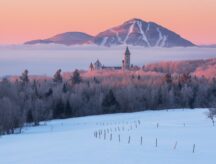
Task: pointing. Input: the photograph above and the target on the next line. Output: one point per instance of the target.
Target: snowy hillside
(137, 32)
(95, 140)
(67, 38)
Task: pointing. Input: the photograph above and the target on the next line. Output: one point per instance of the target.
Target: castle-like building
(126, 61)
(126, 65)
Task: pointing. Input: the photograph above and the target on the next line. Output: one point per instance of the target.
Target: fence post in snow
(111, 137)
(156, 142)
(104, 134)
(157, 125)
(141, 140)
(194, 148)
(175, 146)
(129, 140)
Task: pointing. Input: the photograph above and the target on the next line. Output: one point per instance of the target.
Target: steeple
(126, 61)
(127, 52)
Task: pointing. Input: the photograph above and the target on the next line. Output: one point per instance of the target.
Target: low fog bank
(46, 59)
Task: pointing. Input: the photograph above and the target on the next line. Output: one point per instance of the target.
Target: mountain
(133, 32)
(68, 38)
(140, 33)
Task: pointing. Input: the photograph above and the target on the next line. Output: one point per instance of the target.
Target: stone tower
(126, 60)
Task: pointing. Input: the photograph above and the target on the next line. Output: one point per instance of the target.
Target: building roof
(112, 68)
(127, 52)
(98, 63)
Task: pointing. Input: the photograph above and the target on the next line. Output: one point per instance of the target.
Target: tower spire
(126, 61)
(127, 52)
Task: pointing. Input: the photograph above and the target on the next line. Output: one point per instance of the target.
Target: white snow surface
(148, 27)
(144, 37)
(104, 41)
(72, 141)
(163, 43)
(158, 43)
(131, 28)
(117, 35)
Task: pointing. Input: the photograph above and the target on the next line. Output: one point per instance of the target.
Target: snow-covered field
(74, 141)
(46, 59)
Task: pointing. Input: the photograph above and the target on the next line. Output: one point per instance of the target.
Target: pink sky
(22, 20)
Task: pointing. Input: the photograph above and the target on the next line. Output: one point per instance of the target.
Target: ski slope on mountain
(77, 140)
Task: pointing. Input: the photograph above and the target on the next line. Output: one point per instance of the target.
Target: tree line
(29, 101)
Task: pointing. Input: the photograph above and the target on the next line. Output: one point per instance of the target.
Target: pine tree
(24, 77)
(76, 79)
(57, 76)
(110, 104)
(64, 88)
(29, 117)
(68, 111)
(35, 89)
(58, 111)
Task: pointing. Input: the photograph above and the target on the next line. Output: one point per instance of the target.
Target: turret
(126, 61)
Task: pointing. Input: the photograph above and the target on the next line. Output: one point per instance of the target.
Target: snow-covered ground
(74, 141)
(46, 59)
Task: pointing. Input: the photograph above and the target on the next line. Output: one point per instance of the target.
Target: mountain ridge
(134, 32)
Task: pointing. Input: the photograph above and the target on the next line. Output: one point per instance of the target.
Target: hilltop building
(96, 66)
(126, 61)
(126, 65)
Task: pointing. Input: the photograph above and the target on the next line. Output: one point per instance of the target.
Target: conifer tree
(110, 104)
(24, 77)
(76, 79)
(57, 76)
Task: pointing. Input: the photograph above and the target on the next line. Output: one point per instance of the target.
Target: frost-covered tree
(11, 116)
(24, 77)
(99, 92)
(168, 78)
(57, 76)
(75, 78)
